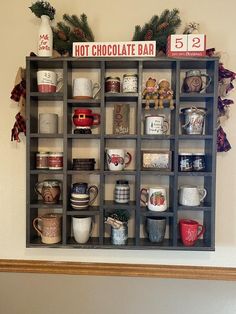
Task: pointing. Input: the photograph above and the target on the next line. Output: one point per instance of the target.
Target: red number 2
(178, 43)
(196, 42)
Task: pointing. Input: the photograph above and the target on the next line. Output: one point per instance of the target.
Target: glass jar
(55, 161)
(185, 162)
(122, 192)
(199, 163)
(112, 84)
(130, 83)
(42, 160)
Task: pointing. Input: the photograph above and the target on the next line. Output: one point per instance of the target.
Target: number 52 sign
(192, 45)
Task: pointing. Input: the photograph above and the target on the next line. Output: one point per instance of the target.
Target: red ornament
(148, 35)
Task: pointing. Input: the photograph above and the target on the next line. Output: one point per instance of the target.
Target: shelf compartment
(44, 135)
(36, 242)
(121, 137)
(113, 205)
(195, 97)
(84, 103)
(40, 204)
(201, 207)
(90, 211)
(46, 171)
(195, 137)
(166, 244)
(83, 136)
(195, 174)
(200, 245)
(148, 213)
(157, 172)
(47, 96)
(121, 97)
(92, 242)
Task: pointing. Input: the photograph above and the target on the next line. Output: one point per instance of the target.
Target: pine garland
(72, 29)
(160, 28)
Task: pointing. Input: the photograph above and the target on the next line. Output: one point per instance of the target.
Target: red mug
(190, 231)
(85, 117)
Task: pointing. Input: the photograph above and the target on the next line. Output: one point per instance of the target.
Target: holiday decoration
(158, 29)
(225, 85)
(46, 12)
(191, 28)
(40, 8)
(18, 94)
(165, 93)
(151, 92)
(72, 29)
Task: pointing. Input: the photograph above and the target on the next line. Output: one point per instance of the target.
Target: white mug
(49, 81)
(48, 123)
(83, 88)
(82, 228)
(156, 125)
(116, 159)
(155, 198)
(191, 195)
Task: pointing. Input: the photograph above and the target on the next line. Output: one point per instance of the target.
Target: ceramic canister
(130, 83)
(48, 123)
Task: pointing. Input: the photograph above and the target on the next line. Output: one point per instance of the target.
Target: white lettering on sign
(115, 49)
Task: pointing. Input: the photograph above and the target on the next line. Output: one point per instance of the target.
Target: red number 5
(178, 43)
(196, 42)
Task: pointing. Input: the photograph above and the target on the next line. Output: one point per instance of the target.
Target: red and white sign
(192, 45)
(115, 49)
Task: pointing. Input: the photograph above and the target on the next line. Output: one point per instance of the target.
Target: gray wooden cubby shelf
(175, 69)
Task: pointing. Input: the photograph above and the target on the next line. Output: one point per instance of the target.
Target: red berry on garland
(78, 32)
(61, 35)
(148, 35)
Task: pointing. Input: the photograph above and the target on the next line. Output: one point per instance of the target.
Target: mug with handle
(49, 81)
(84, 88)
(193, 81)
(116, 159)
(49, 228)
(155, 198)
(191, 195)
(190, 231)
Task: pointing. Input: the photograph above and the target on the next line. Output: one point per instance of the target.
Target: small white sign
(182, 45)
(114, 49)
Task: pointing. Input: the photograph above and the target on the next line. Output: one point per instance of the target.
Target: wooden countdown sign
(192, 45)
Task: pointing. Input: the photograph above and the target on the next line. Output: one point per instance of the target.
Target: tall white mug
(82, 228)
(49, 81)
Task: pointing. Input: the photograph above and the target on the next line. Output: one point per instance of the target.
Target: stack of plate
(83, 163)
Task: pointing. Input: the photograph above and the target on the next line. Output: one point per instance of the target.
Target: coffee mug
(85, 117)
(116, 159)
(82, 196)
(190, 231)
(83, 88)
(49, 190)
(49, 81)
(82, 228)
(156, 125)
(49, 228)
(156, 228)
(191, 195)
(48, 123)
(193, 81)
(155, 198)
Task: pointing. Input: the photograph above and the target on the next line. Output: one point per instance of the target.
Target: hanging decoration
(18, 95)
(158, 29)
(73, 29)
(225, 85)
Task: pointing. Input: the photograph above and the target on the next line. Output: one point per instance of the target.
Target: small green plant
(40, 8)
(121, 215)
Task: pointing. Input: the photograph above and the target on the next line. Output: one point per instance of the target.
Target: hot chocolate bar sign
(115, 49)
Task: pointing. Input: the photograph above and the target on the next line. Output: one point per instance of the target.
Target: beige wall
(25, 293)
(110, 21)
